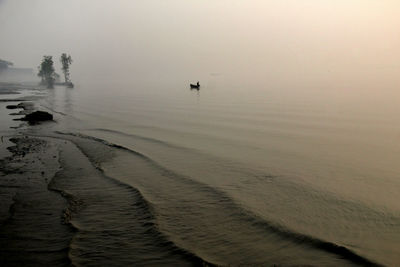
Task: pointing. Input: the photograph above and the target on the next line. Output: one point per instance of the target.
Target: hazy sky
(281, 42)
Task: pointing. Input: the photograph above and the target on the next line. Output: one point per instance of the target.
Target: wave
(152, 140)
(66, 213)
(143, 209)
(239, 212)
(153, 229)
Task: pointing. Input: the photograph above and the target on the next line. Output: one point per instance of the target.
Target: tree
(46, 71)
(66, 61)
(4, 64)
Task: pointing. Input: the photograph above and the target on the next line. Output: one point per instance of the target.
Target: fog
(293, 135)
(283, 44)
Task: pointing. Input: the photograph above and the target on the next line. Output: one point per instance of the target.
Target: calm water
(254, 176)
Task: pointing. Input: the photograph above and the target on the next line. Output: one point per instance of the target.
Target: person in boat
(196, 86)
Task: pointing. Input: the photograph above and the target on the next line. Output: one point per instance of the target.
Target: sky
(352, 43)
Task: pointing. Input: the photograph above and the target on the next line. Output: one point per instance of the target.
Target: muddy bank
(25, 108)
(31, 116)
(34, 218)
(37, 117)
(33, 228)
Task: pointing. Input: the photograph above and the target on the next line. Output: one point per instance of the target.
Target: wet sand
(34, 217)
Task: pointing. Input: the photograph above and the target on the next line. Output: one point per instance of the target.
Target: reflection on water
(312, 167)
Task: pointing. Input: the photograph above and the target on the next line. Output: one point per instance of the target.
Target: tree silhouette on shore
(66, 60)
(46, 71)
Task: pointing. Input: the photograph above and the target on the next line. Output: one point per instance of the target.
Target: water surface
(325, 171)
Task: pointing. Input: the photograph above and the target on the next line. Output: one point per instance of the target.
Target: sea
(287, 155)
(233, 176)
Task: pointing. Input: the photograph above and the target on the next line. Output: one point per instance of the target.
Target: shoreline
(48, 189)
(34, 229)
(33, 217)
(97, 209)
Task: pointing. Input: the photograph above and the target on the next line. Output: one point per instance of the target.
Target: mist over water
(297, 121)
(344, 46)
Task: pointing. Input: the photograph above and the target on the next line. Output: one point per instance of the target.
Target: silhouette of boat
(195, 86)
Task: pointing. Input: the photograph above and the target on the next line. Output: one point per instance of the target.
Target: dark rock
(38, 116)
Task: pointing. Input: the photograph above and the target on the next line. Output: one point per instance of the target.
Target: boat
(195, 86)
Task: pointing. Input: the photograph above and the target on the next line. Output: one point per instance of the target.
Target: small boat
(195, 86)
